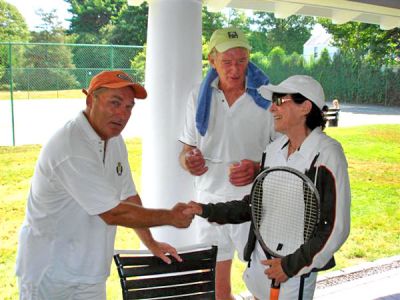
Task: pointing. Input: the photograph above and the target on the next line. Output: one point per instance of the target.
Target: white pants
(47, 289)
(258, 283)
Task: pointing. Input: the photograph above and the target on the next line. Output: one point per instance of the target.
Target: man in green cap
(227, 126)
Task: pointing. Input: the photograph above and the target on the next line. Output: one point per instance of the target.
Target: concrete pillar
(173, 67)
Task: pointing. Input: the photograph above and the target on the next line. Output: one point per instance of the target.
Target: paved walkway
(36, 120)
(369, 281)
(355, 114)
(378, 280)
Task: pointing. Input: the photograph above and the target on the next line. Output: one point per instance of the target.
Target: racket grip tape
(274, 293)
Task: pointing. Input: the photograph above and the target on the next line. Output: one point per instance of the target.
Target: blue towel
(255, 78)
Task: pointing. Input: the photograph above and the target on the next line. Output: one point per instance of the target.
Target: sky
(33, 20)
(28, 10)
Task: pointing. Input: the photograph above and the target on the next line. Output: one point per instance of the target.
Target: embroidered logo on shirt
(119, 169)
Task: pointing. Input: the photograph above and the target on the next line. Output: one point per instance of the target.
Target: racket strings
(311, 213)
(282, 215)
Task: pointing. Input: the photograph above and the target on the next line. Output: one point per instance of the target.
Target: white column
(173, 66)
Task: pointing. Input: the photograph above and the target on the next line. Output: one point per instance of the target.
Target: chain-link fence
(49, 70)
(30, 71)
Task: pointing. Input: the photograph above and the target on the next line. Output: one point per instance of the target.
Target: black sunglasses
(279, 99)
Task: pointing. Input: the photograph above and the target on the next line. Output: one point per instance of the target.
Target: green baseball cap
(228, 38)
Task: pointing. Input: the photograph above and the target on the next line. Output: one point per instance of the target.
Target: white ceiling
(385, 13)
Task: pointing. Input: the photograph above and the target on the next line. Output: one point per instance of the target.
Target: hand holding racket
(285, 212)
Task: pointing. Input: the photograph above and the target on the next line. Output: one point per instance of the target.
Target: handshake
(182, 214)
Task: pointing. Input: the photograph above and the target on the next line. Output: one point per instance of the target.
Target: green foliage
(108, 22)
(238, 19)
(211, 22)
(366, 41)
(13, 28)
(129, 27)
(89, 17)
(342, 77)
(50, 30)
(276, 65)
(290, 33)
(295, 63)
(45, 63)
(138, 65)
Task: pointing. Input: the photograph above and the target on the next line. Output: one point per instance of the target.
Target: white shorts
(47, 289)
(258, 283)
(228, 238)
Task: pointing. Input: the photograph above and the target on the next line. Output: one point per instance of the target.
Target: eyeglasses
(279, 100)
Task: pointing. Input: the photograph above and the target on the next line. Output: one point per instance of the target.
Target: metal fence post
(11, 92)
(112, 57)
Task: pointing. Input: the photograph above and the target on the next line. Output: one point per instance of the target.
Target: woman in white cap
(297, 110)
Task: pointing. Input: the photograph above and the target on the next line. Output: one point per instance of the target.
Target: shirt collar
(87, 128)
(307, 148)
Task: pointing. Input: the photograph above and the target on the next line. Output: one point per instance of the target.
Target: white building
(320, 39)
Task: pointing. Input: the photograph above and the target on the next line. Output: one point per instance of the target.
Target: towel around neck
(255, 78)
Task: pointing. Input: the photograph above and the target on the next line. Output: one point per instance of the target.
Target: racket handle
(274, 291)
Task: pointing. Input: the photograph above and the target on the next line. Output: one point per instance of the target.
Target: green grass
(373, 153)
(62, 94)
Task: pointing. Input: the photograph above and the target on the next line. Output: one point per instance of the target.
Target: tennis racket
(285, 212)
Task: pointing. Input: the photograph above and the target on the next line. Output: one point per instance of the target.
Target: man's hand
(195, 162)
(275, 270)
(179, 218)
(243, 173)
(160, 250)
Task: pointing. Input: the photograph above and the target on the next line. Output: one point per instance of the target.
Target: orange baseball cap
(115, 80)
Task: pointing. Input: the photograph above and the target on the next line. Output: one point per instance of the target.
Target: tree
(276, 65)
(129, 27)
(290, 34)
(238, 19)
(50, 30)
(47, 66)
(12, 29)
(211, 22)
(138, 65)
(366, 41)
(89, 17)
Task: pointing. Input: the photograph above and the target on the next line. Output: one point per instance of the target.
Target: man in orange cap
(81, 188)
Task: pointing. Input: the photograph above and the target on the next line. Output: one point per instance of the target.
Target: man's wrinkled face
(231, 67)
(109, 110)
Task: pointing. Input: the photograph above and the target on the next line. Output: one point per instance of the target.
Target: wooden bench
(332, 116)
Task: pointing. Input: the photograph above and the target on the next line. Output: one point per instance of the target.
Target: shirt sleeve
(90, 189)
(231, 212)
(334, 226)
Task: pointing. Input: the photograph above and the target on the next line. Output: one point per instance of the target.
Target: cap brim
(140, 92)
(231, 44)
(267, 90)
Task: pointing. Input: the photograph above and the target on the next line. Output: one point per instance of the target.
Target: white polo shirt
(73, 182)
(241, 131)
